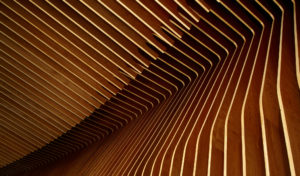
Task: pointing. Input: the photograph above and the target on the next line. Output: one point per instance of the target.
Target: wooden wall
(221, 96)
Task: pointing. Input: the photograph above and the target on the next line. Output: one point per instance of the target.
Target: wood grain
(99, 87)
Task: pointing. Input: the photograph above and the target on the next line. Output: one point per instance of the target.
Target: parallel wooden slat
(162, 87)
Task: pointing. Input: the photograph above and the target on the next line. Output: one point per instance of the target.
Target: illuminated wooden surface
(209, 88)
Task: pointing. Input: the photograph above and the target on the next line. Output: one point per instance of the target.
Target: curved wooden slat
(162, 87)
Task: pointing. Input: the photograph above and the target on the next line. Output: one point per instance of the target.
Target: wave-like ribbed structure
(145, 87)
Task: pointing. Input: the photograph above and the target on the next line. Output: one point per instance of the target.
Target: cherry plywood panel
(149, 87)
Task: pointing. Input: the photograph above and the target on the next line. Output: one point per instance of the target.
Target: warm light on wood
(149, 87)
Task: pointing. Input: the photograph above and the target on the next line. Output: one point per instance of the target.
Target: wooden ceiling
(209, 87)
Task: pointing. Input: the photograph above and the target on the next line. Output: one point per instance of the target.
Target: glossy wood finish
(150, 87)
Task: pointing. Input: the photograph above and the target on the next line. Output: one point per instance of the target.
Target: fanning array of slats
(59, 62)
(209, 88)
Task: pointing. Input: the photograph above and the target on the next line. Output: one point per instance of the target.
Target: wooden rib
(171, 8)
(287, 115)
(296, 28)
(184, 5)
(160, 14)
(57, 65)
(44, 27)
(48, 80)
(45, 69)
(145, 17)
(204, 5)
(45, 90)
(132, 22)
(190, 91)
(120, 26)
